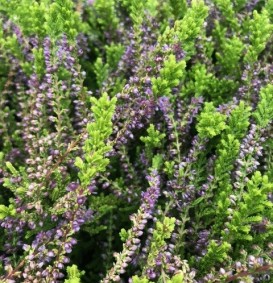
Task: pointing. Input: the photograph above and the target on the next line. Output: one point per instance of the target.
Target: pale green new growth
(179, 8)
(260, 31)
(161, 233)
(113, 54)
(95, 146)
(74, 275)
(238, 121)
(60, 19)
(210, 122)
(249, 211)
(264, 112)
(101, 71)
(232, 50)
(170, 76)
(216, 253)
(200, 81)
(136, 279)
(269, 8)
(186, 30)
(154, 138)
(6, 211)
(226, 8)
(106, 14)
(152, 141)
(227, 152)
(137, 12)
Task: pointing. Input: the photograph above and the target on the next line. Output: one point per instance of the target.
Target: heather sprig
(131, 237)
(211, 122)
(179, 8)
(259, 24)
(161, 233)
(229, 13)
(187, 29)
(249, 211)
(170, 76)
(71, 204)
(95, 147)
(74, 275)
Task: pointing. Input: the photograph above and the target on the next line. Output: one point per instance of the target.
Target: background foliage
(136, 141)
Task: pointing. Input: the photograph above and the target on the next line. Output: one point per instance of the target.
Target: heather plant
(136, 141)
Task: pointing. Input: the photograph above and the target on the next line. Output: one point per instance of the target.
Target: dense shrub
(136, 141)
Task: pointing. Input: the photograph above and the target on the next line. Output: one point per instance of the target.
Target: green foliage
(190, 26)
(154, 138)
(179, 8)
(161, 233)
(152, 7)
(95, 147)
(29, 15)
(239, 4)
(228, 147)
(101, 71)
(136, 279)
(219, 32)
(113, 55)
(6, 211)
(20, 189)
(177, 278)
(186, 30)
(170, 76)
(137, 11)
(104, 205)
(230, 55)
(238, 121)
(264, 112)
(35, 23)
(123, 235)
(228, 151)
(220, 189)
(250, 209)
(61, 19)
(12, 169)
(74, 275)
(45, 18)
(226, 8)
(157, 161)
(39, 61)
(200, 81)
(138, 8)
(269, 8)
(210, 122)
(40, 18)
(106, 15)
(169, 168)
(10, 45)
(260, 31)
(216, 253)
